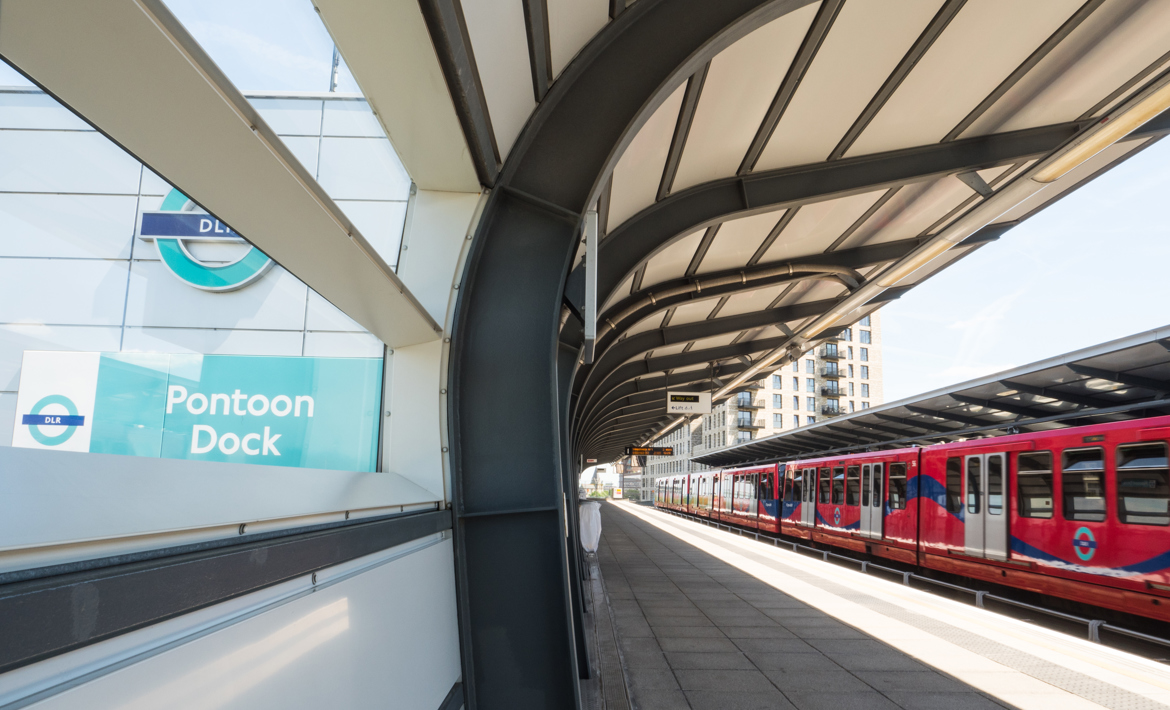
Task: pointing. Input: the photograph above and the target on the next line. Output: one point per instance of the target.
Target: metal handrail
(1093, 625)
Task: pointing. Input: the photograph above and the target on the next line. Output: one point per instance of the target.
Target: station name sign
(649, 451)
(688, 402)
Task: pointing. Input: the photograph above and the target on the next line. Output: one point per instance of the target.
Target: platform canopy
(1123, 379)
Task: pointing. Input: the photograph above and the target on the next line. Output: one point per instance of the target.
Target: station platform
(711, 620)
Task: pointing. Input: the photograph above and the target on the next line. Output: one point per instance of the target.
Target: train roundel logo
(836, 516)
(1084, 544)
(179, 221)
(38, 418)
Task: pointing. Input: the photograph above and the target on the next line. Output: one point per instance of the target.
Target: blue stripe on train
(1154, 564)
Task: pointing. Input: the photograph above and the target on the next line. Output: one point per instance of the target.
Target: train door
(872, 499)
(986, 520)
(808, 508)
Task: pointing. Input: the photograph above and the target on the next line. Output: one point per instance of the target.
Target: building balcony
(831, 370)
(749, 403)
(829, 352)
(750, 424)
(831, 409)
(830, 390)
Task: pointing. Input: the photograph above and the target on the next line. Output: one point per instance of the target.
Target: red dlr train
(1080, 513)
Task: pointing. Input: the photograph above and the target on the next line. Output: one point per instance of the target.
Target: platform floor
(708, 619)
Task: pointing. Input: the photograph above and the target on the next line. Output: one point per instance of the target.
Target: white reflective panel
(571, 24)
(960, 69)
(715, 341)
(218, 341)
(342, 345)
(323, 315)
(910, 212)
(16, 338)
(38, 110)
(362, 169)
(11, 77)
(499, 41)
(65, 161)
(7, 417)
(737, 241)
(815, 227)
(663, 351)
(645, 324)
(672, 262)
(639, 171)
(351, 118)
(1115, 43)
(290, 117)
(275, 301)
(305, 149)
(62, 291)
(152, 184)
(1071, 180)
(76, 226)
(380, 223)
(693, 311)
(751, 301)
(739, 89)
(850, 67)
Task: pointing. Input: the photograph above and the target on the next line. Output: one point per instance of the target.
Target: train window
(826, 486)
(1083, 484)
(897, 486)
(838, 485)
(954, 501)
(974, 484)
(1143, 484)
(794, 491)
(852, 487)
(766, 486)
(1034, 485)
(995, 484)
(864, 482)
(877, 485)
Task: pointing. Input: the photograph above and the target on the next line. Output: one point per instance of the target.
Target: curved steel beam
(512, 563)
(641, 236)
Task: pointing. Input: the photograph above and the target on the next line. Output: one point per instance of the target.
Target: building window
(778, 401)
(810, 385)
(796, 366)
(865, 405)
(851, 404)
(796, 420)
(777, 382)
(810, 366)
(865, 337)
(850, 389)
(812, 420)
(864, 390)
(864, 321)
(850, 356)
(796, 384)
(846, 334)
(810, 403)
(850, 370)
(778, 421)
(865, 372)
(795, 402)
(865, 354)
(743, 437)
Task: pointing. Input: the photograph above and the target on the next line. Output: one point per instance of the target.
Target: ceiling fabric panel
(654, 321)
(619, 293)
(571, 23)
(638, 173)
(736, 95)
(672, 262)
(751, 301)
(818, 225)
(1119, 40)
(985, 42)
(910, 212)
(821, 290)
(849, 69)
(693, 312)
(715, 341)
(737, 241)
(500, 43)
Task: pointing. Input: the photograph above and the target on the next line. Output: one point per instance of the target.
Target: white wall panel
(74, 226)
(848, 70)
(571, 24)
(415, 449)
(323, 315)
(152, 184)
(7, 417)
(960, 69)
(500, 44)
(439, 224)
(37, 110)
(305, 149)
(639, 171)
(208, 341)
(16, 338)
(739, 89)
(342, 345)
(275, 301)
(385, 637)
(290, 117)
(737, 240)
(62, 291)
(61, 161)
(380, 223)
(362, 169)
(350, 118)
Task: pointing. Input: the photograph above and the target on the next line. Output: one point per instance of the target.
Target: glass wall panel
(65, 161)
(34, 109)
(362, 169)
(351, 118)
(67, 226)
(290, 117)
